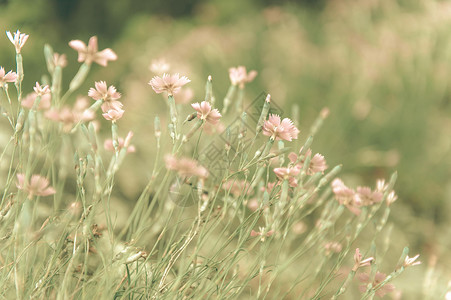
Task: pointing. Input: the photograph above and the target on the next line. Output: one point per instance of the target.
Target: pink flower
(90, 53)
(108, 144)
(168, 83)
(239, 76)
(204, 112)
(113, 114)
(44, 104)
(18, 40)
(59, 60)
(367, 197)
(378, 278)
(159, 66)
(359, 261)
(38, 186)
(346, 196)
(317, 162)
(69, 116)
(41, 90)
(109, 95)
(278, 130)
(185, 167)
(8, 77)
(288, 174)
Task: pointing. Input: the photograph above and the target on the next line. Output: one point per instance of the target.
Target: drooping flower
(6, 77)
(18, 40)
(288, 174)
(159, 66)
(70, 116)
(41, 90)
(108, 144)
(168, 83)
(378, 278)
(90, 53)
(38, 185)
(185, 167)
(280, 130)
(113, 114)
(109, 95)
(204, 112)
(359, 261)
(239, 76)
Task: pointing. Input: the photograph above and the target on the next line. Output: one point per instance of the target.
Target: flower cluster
(354, 200)
(111, 106)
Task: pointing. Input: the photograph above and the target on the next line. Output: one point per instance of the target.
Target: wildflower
(391, 198)
(38, 186)
(288, 174)
(18, 40)
(41, 90)
(113, 114)
(411, 261)
(69, 116)
(346, 196)
(8, 77)
(159, 66)
(108, 144)
(109, 95)
(280, 130)
(359, 262)
(378, 278)
(262, 233)
(168, 83)
(239, 76)
(185, 166)
(90, 53)
(44, 104)
(367, 197)
(204, 112)
(317, 162)
(59, 60)
(381, 186)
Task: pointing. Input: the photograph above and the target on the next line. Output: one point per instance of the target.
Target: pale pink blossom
(44, 104)
(185, 167)
(41, 90)
(359, 261)
(317, 162)
(58, 60)
(280, 130)
(70, 116)
(378, 278)
(108, 144)
(38, 186)
(239, 76)
(204, 112)
(368, 197)
(159, 66)
(90, 53)
(6, 77)
(18, 40)
(346, 196)
(109, 95)
(168, 83)
(411, 261)
(237, 187)
(113, 114)
(288, 174)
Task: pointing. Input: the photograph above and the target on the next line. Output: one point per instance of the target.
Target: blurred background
(382, 67)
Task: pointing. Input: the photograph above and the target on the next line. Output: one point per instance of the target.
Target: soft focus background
(382, 67)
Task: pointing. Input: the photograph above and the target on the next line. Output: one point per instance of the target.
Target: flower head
(239, 76)
(411, 261)
(368, 197)
(359, 261)
(18, 40)
(288, 174)
(317, 162)
(280, 130)
(159, 66)
(185, 167)
(108, 144)
(38, 185)
(346, 196)
(113, 114)
(6, 77)
(168, 83)
(378, 279)
(204, 112)
(109, 95)
(41, 90)
(58, 60)
(90, 53)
